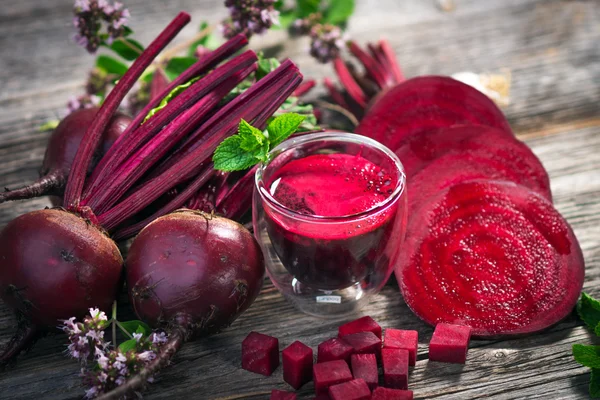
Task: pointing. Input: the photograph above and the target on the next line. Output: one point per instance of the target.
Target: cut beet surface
(428, 102)
(402, 339)
(364, 343)
(449, 343)
(260, 353)
(395, 368)
(495, 256)
(297, 364)
(330, 373)
(364, 324)
(282, 395)
(334, 349)
(391, 394)
(364, 366)
(356, 389)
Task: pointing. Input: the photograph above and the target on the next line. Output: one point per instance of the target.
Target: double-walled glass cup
(330, 265)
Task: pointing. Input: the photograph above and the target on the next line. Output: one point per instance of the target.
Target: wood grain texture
(550, 47)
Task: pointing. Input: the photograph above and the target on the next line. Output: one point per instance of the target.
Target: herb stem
(178, 48)
(339, 109)
(122, 328)
(114, 325)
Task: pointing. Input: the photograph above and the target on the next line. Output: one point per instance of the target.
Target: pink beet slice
(330, 373)
(297, 364)
(495, 256)
(356, 389)
(449, 343)
(364, 342)
(391, 394)
(364, 366)
(395, 368)
(424, 103)
(282, 395)
(260, 353)
(364, 324)
(402, 339)
(334, 349)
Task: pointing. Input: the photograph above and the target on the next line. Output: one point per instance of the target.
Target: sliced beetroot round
(491, 255)
(428, 102)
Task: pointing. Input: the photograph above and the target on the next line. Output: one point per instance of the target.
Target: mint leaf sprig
(251, 145)
(588, 310)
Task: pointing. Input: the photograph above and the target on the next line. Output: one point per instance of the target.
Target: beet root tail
(51, 184)
(139, 381)
(23, 339)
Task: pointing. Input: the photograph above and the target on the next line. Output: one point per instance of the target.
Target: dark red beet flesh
(60, 152)
(334, 349)
(282, 395)
(195, 270)
(395, 368)
(364, 366)
(297, 364)
(364, 324)
(330, 373)
(491, 255)
(355, 389)
(260, 353)
(424, 103)
(401, 339)
(364, 343)
(449, 343)
(391, 394)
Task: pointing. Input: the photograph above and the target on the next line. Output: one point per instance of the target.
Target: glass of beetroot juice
(330, 213)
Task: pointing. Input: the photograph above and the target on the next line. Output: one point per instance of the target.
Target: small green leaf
(128, 345)
(286, 19)
(338, 11)
(177, 65)
(174, 93)
(251, 138)
(293, 104)
(135, 326)
(266, 65)
(229, 156)
(49, 126)
(283, 127)
(129, 49)
(307, 7)
(588, 309)
(111, 65)
(595, 383)
(587, 355)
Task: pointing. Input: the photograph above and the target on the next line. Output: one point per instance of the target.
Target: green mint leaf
(210, 41)
(588, 309)
(129, 49)
(128, 345)
(265, 65)
(49, 126)
(111, 65)
(283, 127)
(174, 93)
(286, 19)
(595, 383)
(307, 7)
(293, 104)
(177, 65)
(229, 156)
(127, 31)
(251, 138)
(338, 11)
(136, 326)
(587, 355)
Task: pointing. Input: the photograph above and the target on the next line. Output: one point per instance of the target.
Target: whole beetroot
(60, 153)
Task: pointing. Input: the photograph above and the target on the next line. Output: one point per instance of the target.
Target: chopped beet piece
(334, 349)
(391, 394)
(356, 389)
(330, 373)
(297, 364)
(260, 353)
(395, 368)
(401, 339)
(364, 342)
(364, 366)
(364, 324)
(282, 395)
(449, 343)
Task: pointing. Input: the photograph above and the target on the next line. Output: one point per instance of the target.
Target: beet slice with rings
(428, 102)
(491, 255)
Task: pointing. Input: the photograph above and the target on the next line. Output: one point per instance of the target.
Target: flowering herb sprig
(99, 22)
(104, 366)
(249, 17)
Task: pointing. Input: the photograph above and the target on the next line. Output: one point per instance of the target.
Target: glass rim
(339, 137)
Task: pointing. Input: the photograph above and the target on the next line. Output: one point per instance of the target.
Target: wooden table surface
(552, 49)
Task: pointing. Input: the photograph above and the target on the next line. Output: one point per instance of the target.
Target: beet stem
(93, 135)
(49, 184)
(127, 142)
(138, 382)
(304, 88)
(239, 198)
(371, 66)
(158, 84)
(386, 50)
(336, 95)
(24, 338)
(349, 83)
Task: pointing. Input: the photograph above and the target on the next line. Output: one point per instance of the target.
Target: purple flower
(98, 21)
(147, 356)
(159, 338)
(137, 336)
(326, 42)
(91, 392)
(249, 17)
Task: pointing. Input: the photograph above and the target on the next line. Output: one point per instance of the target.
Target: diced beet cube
(364, 324)
(334, 349)
(281, 395)
(391, 394)
(260, 353)
(364, 343)
(364, 366)
(400, 339)
(297, 364)
(351, 390)
(449, 343)
(330, 373)
(395, 368)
